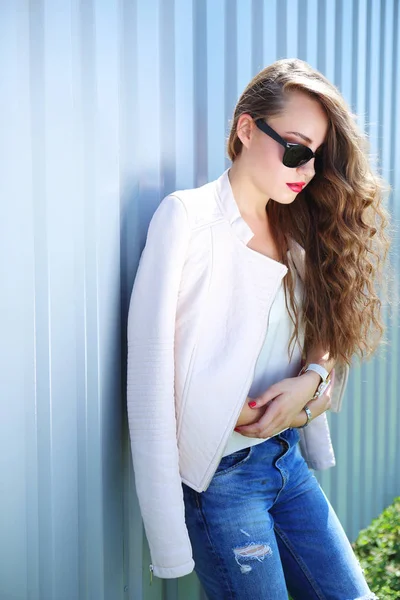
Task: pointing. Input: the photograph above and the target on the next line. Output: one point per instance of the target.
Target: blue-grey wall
(106, 106)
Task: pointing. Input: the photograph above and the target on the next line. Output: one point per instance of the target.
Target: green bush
(378, 550)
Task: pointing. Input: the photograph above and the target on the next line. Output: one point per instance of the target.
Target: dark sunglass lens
(319, 162)
(297, 155)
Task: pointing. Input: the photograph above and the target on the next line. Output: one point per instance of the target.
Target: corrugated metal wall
(106, 106)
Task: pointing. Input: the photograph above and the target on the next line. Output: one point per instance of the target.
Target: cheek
(269, 172)
(267, 158)
(272, 180)
(273, 165)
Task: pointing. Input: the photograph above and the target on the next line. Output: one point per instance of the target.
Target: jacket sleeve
(150, 389)
(341, 375)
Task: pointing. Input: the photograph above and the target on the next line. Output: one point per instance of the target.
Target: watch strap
(323, 373)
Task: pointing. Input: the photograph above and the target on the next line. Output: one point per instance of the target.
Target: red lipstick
(296, 187)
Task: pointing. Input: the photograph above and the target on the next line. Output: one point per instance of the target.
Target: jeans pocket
(232, 461)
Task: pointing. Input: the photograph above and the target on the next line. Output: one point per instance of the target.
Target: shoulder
(199, 204)
(183, 212)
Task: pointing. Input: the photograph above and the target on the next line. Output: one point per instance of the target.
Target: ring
(309, 417)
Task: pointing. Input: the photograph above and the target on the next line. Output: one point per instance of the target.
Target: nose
(308, 169)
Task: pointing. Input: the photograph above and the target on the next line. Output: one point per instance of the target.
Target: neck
(250, 200)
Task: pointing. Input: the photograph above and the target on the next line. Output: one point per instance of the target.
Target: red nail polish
(252, 404)
(237, 429)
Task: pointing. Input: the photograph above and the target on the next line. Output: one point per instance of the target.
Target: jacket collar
(230, 209)
(242, 230)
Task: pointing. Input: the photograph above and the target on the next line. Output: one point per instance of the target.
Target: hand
(317, 407)
(284, 403)
(250, 415)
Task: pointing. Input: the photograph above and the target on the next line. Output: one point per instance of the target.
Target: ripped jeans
(265, 526)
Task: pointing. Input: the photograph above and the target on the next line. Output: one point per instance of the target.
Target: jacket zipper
(151, 573)
(236, 415)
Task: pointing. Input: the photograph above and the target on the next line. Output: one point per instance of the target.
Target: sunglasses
(295, 155)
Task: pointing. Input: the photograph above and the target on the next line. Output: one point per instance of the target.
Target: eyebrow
(302, 136)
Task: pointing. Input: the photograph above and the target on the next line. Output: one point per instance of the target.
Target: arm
(150, 389)
(252, 415)
(281, 406)
(321, 357)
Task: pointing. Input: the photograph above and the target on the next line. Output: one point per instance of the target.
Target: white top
(273, 363)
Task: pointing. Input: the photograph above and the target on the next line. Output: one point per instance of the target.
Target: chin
(285, 199)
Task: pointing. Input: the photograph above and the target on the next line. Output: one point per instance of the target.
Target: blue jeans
(264, 525)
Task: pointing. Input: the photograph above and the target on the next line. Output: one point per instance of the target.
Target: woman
(243, 281)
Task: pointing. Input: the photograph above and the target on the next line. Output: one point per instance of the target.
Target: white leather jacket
(197, 321)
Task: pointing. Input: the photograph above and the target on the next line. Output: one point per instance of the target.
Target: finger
(264, 427)
(246, 433)
(319, 405)
(254, 430)
(267, 397)
(260, 434)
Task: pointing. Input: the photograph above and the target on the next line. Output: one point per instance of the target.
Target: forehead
(304, 114)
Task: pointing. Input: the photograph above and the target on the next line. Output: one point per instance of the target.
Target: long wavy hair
(338, 218)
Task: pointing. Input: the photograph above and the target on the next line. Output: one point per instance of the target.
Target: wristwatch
(325, 378)
(323, 373)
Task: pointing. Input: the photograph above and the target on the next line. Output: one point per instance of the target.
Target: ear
(245, 128)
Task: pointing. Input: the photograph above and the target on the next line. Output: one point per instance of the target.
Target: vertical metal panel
(60, 385)
(104, 108)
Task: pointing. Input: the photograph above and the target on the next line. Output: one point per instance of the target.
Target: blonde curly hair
(339, 218)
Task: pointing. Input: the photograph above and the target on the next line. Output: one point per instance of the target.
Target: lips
(296, 187)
